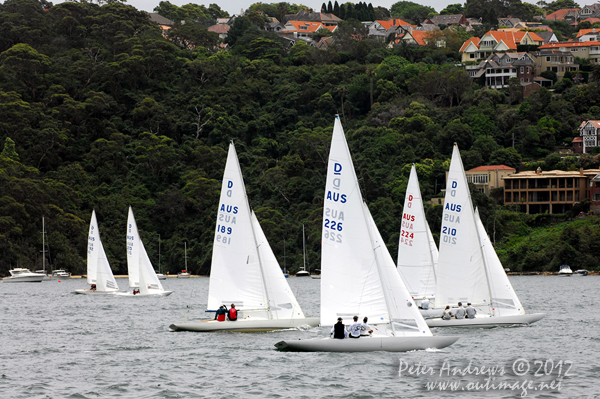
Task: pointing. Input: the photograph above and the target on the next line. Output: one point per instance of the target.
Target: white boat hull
(90, 292)
(431, 313)
(487, 322)
(130, 294)
(366, 344)
(24, 279)
(246, 325)
(161, 276)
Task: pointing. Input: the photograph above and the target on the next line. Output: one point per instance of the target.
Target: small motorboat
(61, 274)
(581, 272)
(565, 270)
(21, 275)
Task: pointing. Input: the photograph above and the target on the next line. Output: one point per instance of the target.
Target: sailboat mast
(303, 249)
(185, 254)
(159, 253)
(43, 244)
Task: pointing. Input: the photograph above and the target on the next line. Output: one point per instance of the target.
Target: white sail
(504, 299)
(417, 252)
(236, 275)
(460, 274)
(133, 251)
(402, 310)
(138, 261)
(282, 302)
(93, 250)
(105, 281)
(350, 281)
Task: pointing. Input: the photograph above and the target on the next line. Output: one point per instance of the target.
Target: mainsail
(417, 252)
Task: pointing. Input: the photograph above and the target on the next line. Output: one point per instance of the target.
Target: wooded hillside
(99, 110)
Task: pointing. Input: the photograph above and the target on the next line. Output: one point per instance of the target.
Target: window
(547, 59)
(528, 72)
(478, 179)
(522, 69)
(472, 55)
(522, 80)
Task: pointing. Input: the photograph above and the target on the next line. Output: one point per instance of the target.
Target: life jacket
(233, 314)
(338, 331)
(221, 317)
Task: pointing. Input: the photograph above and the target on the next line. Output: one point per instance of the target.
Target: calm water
(54, 344)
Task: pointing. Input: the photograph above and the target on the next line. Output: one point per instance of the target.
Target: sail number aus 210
(448, 235)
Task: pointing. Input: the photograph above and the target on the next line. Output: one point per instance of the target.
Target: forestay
(504, 298)
(461, 274)
(417, 252)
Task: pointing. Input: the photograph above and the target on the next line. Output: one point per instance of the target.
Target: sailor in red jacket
(232, 315)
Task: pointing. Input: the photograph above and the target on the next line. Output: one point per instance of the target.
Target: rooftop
(491, 167)
(532, 174)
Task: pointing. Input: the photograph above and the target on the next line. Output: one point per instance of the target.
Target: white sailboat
(141, 272)
(99, 274)
(43, 271)
(303, 272)
(417, 252)
(469, 269)
(358, 275)
(159, 274)
(244, 269)
(184, 273)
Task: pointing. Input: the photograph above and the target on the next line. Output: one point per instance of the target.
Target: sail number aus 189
(224, 230)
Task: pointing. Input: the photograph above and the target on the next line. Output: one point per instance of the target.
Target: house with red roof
(418, 38)
(381, 29)
(497, 42)
(567, 14)
(588, 35)
(588, 50)
(220, 29)
(300, 29)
